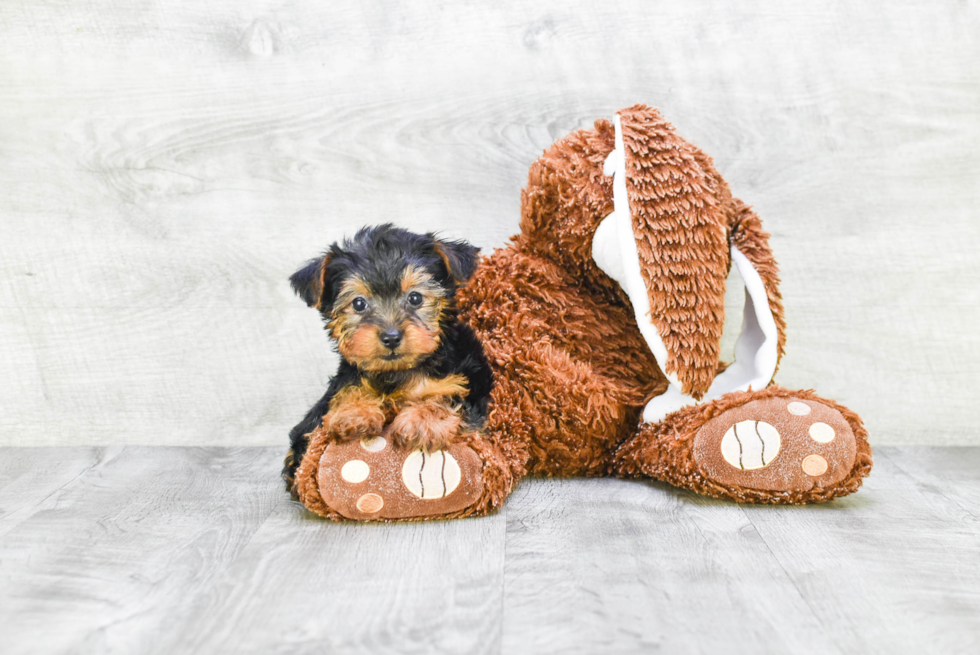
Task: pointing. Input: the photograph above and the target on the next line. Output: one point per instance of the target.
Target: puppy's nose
(391, 338)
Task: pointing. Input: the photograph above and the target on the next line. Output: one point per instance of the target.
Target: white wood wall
(164, 166)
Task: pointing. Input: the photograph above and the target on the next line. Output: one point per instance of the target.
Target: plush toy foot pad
(370, 479)
(777, 444)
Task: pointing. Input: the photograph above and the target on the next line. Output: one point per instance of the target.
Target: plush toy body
(601, 322)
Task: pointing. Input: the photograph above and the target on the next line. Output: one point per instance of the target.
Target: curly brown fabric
(572, 372)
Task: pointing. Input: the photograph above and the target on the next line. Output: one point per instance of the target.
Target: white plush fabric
(756, 351)
(614, 251)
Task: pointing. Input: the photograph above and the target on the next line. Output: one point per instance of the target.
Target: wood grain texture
(28, 478)
(167, 164)
(114, 556)
(614, 566)
(873, 565)
(315, 586)
(176, 550)
(198, 550)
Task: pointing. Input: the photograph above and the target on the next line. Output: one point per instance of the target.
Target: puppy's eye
(359, 304)
(415, 299)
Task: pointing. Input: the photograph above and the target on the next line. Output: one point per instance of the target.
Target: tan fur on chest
(418, 388)
(425, 387)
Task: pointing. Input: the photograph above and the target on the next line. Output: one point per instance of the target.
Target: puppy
(409, 369)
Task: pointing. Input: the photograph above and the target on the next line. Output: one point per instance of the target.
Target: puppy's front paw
(428, 425)
(355, 420)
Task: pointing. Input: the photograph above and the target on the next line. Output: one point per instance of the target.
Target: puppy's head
(386, 294)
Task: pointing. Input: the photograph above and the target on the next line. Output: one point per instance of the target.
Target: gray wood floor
(167, 164)
(173, 550)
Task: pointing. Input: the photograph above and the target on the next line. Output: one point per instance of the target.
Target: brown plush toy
(602, 321)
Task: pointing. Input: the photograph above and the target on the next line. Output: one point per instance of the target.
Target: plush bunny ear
(667, 244)
(681, 240)
(310, 282)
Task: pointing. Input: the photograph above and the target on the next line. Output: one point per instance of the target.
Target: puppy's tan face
(393, 331)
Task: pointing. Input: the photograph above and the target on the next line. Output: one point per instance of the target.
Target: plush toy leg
(770, 446)
(373, 480)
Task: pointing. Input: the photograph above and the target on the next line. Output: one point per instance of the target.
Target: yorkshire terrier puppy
(409, 369)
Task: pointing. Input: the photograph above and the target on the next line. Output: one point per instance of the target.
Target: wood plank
(114, 556)
(199, 550)
(953, 473)
(597, 566)
(30, 476)
(890, 569)
(186, 156)
(171, 368)
(305, 585)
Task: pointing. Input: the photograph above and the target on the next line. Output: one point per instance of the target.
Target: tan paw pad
(814, 465)
(374, 445)
(370, 503)
(821, 433)
(798, 408)
(355, 471)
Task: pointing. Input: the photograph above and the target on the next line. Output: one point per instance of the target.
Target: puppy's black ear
(310, 282)
(460, 257)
